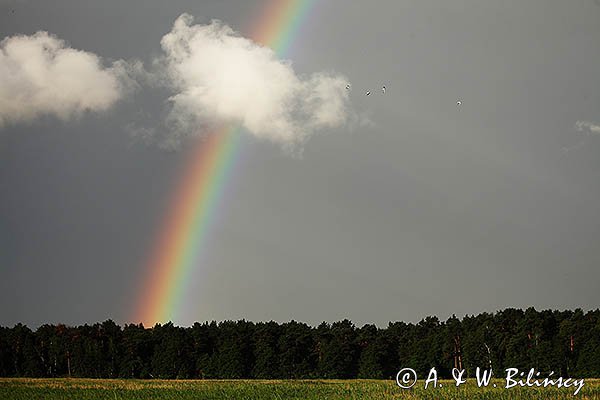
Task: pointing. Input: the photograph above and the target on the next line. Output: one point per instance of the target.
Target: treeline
(567, 342)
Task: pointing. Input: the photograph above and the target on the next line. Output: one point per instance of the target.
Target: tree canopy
(566, 342)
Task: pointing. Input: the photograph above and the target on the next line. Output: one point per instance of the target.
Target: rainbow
(192, 210)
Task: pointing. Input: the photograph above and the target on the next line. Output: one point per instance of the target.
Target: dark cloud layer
(427, 209)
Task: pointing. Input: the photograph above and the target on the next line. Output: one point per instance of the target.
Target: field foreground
(92, 389)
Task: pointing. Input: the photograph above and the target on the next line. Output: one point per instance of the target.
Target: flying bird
(458, 103)
(383, 89)
(348, 87)
(368, 93)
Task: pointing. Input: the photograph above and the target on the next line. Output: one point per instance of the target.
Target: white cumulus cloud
(218, 77)
(588, 127)
(41, 75)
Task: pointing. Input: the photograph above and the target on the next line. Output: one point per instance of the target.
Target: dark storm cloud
(428, 209)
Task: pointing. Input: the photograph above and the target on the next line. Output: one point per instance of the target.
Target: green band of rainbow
(185, 231)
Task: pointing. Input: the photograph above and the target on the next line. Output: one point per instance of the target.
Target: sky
(388, 207)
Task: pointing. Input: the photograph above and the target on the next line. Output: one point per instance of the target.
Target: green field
(88, 389)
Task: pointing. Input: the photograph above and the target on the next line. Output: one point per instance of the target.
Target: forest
(566, 342)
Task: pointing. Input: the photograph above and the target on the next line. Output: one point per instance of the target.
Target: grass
(94, 389)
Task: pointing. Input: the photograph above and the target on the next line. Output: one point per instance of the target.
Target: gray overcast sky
(430, 209)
